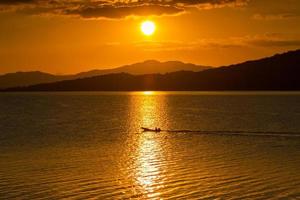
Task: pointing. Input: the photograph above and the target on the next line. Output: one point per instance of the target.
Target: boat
(151, 130)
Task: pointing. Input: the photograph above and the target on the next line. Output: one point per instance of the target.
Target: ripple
(94, 150)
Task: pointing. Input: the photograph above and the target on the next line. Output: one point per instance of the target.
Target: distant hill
(147, 67)
(155, 67)
(27, 78)
(279, 72)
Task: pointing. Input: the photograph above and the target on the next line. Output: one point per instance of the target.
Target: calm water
(89, 145)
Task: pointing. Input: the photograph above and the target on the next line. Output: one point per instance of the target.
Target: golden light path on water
(148, 171)
(148, 92)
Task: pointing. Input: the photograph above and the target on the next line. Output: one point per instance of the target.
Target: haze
(71, 36)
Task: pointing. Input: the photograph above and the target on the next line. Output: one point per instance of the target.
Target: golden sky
(69, 36)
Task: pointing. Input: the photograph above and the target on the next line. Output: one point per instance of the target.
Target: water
(89, 145)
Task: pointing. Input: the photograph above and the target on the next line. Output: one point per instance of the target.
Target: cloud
(112, 8)
(272, 40)
(166, 45)
(254, 41)
(108, 11)
(275, 43)
(11, 2)
(173, 45)
(272, 17)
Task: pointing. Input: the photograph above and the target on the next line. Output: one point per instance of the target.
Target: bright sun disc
(148, 27)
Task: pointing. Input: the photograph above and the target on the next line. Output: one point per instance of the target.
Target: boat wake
(238, 133)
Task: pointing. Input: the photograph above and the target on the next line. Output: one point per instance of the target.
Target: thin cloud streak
(273, 17)
(264, 41)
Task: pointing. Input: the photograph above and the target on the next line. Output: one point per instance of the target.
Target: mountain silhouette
(279, 72)
(146, 67)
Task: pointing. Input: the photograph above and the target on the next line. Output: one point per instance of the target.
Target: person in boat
(148, 129)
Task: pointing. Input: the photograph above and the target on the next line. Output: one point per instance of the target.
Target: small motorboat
(151, 130)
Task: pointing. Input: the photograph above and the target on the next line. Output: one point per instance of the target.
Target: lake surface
(217, 145)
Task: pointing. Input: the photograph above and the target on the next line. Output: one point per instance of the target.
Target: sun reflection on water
(148, 92)
(148, 171)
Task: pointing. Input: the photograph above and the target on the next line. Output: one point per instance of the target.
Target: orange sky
(78, 35)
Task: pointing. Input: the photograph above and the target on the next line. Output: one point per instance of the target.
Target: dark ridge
(279, 72)
(19, 79)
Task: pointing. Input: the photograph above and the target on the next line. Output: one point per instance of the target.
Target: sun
(148, 27)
